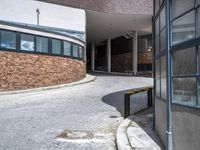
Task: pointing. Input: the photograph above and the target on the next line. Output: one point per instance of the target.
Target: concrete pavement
(33, 120)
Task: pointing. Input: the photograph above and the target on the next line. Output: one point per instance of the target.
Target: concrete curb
(122, 138)
(87, 79)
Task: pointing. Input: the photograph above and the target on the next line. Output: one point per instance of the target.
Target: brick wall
(124, 63)
(23, 71)
(144, 7)
(145, 58)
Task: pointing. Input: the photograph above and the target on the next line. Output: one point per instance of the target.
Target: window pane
(67, 48)
(157, 27)
(183, 28)
(75, 50)
(156, 6)
(162, 18)
(184, 91)
(157, 68)
(181, 6)
(163, 40)
(184, 62)
(198, 26)
(163, 87)
(163, 77)
(80, 52)
(8, 39)
(56, 46)
(163, 66)
(27, 42)
(157, 46)
(42, 44)
(158, 87)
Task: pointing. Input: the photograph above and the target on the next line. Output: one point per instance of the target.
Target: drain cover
(75, 134)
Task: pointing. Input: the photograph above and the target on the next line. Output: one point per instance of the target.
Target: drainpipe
(169, 77)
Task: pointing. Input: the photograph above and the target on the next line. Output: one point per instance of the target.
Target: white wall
(24, 11)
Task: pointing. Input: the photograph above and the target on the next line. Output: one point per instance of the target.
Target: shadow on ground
(116, 99)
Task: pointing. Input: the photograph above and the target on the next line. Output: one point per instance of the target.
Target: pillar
(93, 57)
(135, 52)
(109, 55)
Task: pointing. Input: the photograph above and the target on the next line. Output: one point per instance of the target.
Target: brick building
(42, 48)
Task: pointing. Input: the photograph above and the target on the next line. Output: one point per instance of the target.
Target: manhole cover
(75, 134)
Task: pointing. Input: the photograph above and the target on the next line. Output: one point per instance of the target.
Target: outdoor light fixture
(38, 15)
(149, 49)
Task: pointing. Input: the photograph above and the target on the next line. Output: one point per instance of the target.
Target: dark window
(56, 46)
(67, 48)
(42, 44)
(27, 42)
(8, 39)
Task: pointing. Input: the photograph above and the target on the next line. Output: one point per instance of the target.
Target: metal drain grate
(75, 134)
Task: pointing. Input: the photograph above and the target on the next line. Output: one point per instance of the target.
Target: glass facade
(181, 42)
(22, 42)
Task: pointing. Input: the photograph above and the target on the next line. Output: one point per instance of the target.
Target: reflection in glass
(156, 6)
(81, 52)
(8, 39)
(157, 28)
(162, 18)
(181, 6)
(67, 48)
(184, 91)
(183, 28)
(157, 68)
(157, 45)
(163, 87)
(163, 40)
(56, 46)
(184, 62)
(27, 42)
(157, 87)
(42, 44)
(75, 50)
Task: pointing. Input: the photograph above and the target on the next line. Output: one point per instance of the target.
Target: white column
(93, 57)
(109, 55)
(135, 52)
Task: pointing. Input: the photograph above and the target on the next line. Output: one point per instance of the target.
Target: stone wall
(23, 71)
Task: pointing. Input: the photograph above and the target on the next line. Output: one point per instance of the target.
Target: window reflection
(183, 28)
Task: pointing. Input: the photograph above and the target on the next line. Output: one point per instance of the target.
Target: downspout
(169, 77)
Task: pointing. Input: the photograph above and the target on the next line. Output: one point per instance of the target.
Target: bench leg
(149, 97)
(126, 105)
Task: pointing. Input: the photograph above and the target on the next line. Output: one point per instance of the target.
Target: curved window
(23, 42)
